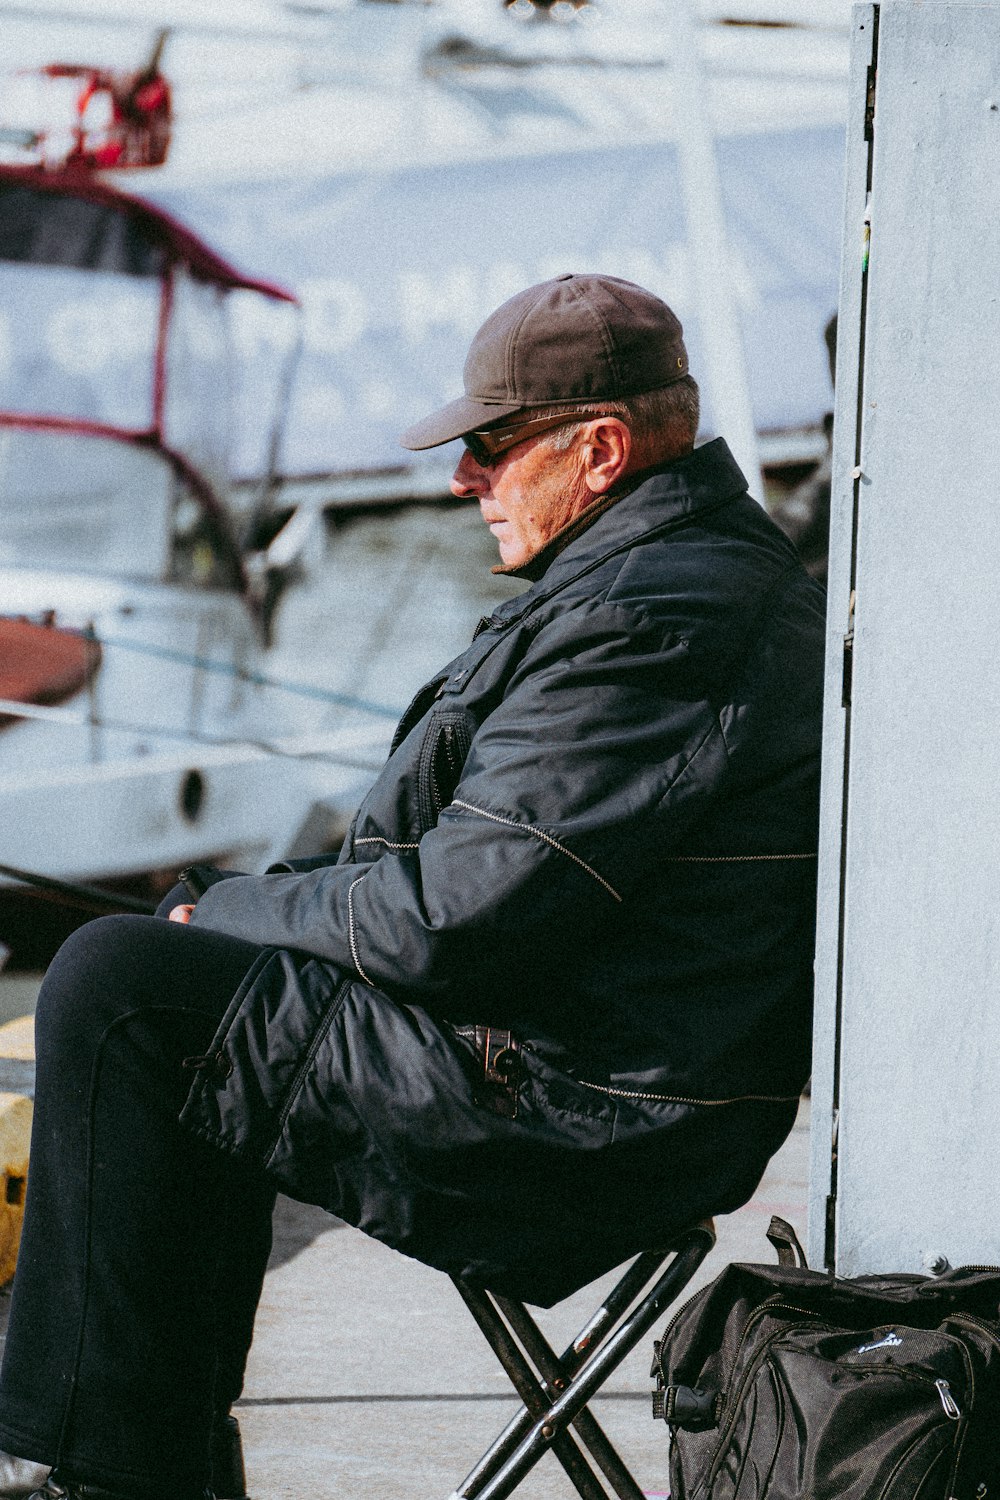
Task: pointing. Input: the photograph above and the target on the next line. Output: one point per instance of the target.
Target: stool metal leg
(691, 1250)
(536, 1402)
(557, 1377)
(618, 1300)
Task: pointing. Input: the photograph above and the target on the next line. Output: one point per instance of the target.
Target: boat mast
(708, 248)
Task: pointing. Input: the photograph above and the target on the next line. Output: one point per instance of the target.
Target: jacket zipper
(604, 1088)
(321, 1031)
(448, 743)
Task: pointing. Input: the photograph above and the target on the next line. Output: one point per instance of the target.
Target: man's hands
(181, 913)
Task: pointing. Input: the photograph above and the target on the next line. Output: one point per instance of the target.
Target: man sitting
(550, 1004)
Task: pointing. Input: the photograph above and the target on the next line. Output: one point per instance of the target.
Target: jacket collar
(702, 480)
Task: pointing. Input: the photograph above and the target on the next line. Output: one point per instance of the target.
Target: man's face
(526, 495)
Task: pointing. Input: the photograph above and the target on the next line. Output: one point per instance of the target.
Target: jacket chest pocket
(443, 751)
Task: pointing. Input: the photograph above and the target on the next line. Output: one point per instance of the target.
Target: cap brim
(463, 415)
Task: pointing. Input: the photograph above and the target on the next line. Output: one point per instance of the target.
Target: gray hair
(663, 423)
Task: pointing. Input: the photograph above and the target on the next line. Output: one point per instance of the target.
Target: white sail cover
(397, 267)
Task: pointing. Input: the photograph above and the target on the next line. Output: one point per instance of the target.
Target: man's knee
(118, 965)
(91, 977)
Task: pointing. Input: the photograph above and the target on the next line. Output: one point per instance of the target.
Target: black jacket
(597, 829)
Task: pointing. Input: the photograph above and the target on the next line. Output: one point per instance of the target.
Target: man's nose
(469, 478)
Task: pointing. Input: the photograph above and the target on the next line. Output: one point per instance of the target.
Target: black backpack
(787, 1384)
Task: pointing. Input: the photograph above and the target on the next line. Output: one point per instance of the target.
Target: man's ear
(606, 449)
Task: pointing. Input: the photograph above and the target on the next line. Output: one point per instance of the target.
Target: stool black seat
(555, 1394)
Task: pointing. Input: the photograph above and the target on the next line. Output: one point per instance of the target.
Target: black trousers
(143, 1250)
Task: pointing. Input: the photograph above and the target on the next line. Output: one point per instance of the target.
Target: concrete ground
(368, 1376)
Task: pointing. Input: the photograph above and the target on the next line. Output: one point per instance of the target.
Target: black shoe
(20, 1477)
(228, 1476)
(56, 1489)
(53, 1489)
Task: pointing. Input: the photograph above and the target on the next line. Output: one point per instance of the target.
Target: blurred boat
(140, 726)
(404, 167)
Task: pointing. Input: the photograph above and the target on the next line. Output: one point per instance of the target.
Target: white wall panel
(908, 1053)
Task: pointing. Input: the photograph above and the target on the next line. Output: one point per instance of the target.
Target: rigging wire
(254, 679)
(85, 896)
(285, 748)
(74, 719)
(94, 898)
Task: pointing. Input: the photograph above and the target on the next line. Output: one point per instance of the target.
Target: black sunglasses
(488, 443)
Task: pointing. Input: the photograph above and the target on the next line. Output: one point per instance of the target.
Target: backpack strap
(786, 1242)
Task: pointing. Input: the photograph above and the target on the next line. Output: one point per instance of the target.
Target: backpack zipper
(751, 1370)
(982, 1325)
(758, 1312)
(763, 1311)
(890, 1485)
(949, 1405)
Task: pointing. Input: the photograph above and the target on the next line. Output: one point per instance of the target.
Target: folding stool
(559, 1394)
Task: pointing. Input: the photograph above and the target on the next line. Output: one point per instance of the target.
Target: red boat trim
(160, 358)
(145, 437)
(159, 226)
(78, 426)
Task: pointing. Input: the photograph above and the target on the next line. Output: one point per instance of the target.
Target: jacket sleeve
(600, 755)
